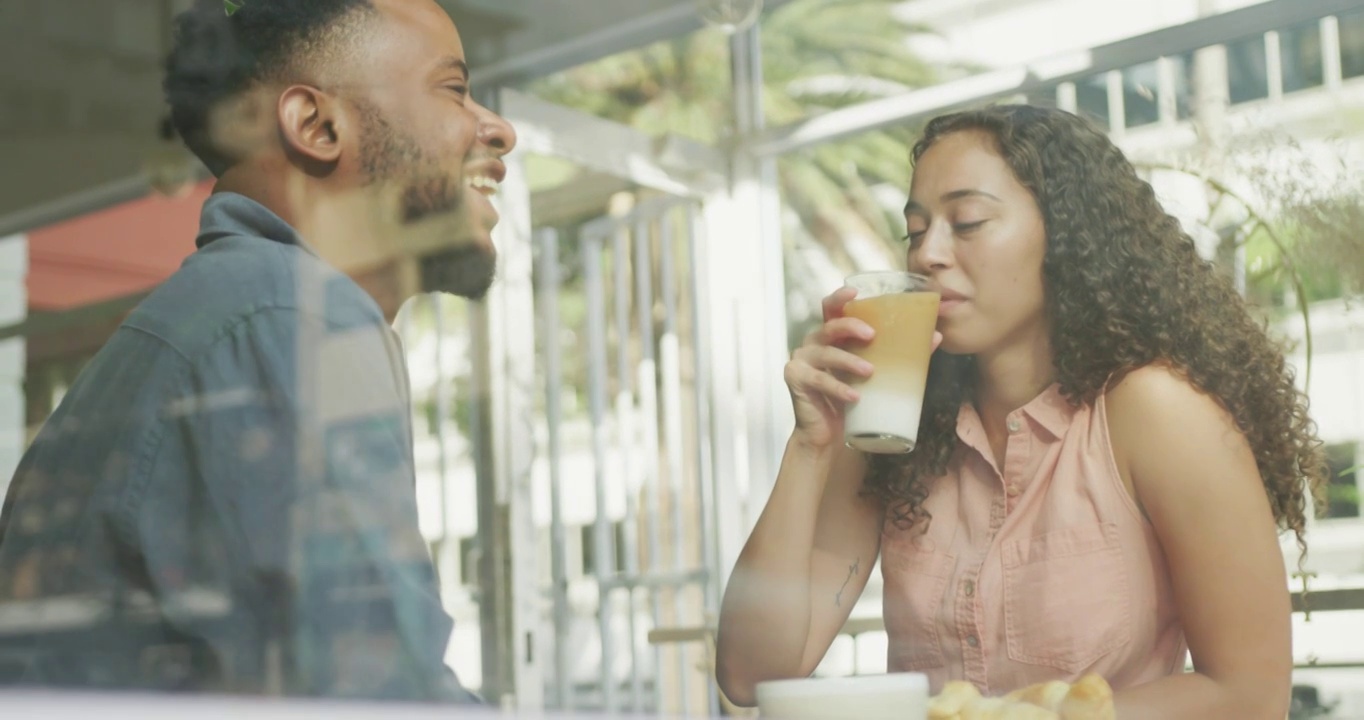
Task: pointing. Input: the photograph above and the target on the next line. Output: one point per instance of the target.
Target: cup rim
(821, 685)
(886, 280)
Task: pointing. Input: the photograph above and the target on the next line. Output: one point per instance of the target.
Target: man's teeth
(483, 183)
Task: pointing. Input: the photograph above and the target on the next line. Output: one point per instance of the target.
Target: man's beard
(464, 270)
(429, 197)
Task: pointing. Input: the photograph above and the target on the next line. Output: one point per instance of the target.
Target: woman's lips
(947, 306)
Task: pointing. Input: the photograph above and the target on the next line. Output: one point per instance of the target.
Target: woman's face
(979, 236)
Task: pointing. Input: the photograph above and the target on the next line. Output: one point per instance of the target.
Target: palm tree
(819, 55)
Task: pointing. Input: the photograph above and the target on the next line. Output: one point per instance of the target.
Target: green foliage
(1321, 244)
(1298, 232)
(1342, 500)
(818, 55)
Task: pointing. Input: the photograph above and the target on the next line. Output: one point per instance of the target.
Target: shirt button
(1014, 425)
(970, 588)
(973, 641)
(1014, 490)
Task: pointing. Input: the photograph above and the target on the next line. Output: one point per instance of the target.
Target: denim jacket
(224, 500)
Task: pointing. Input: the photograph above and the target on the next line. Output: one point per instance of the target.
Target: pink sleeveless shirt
(1042, 570)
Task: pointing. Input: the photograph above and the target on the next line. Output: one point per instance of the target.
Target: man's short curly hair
(216, 57)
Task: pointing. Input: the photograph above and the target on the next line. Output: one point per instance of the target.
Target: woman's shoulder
(1157, 392)
(1163, 428)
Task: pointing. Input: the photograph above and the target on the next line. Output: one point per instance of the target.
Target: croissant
(1047, 695)
(948, 704)
(1090, 698)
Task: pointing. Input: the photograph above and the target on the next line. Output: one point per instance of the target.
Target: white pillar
(511, 304)
(761, 313)
(13, 309)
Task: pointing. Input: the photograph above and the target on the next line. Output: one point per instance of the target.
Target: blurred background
(596, 438)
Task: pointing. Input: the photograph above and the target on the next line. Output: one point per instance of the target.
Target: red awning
(112, 253)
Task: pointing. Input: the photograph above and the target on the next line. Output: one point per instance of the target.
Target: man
(224, 500)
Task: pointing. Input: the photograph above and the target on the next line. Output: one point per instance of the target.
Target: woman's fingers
(830, 359)
(840, 331)
(818, 385)
(833, 304)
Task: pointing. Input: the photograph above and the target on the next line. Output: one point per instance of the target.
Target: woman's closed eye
(914, 237)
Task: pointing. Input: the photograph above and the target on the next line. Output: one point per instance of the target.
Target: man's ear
(309, 125)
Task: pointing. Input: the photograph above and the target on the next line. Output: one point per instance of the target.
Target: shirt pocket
(1066, 601)
(915, 581)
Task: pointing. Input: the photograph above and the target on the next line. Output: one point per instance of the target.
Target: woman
(1108, 441)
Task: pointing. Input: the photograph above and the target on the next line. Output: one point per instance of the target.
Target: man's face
(429, 149)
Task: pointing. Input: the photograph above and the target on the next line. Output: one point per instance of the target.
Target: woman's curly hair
(1125, 287)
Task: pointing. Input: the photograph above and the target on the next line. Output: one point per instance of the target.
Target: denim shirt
(224, 500)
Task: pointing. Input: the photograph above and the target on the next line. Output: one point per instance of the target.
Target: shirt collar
(1050, 410)
(228, 214)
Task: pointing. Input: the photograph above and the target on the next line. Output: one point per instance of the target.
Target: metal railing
(1316, 601)
(651, 429)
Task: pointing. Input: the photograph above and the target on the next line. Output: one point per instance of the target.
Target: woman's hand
(818, 395)
(821, 372)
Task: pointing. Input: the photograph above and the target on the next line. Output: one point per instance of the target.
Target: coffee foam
(883, 411)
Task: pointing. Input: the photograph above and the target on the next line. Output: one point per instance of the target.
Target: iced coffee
(903, 312)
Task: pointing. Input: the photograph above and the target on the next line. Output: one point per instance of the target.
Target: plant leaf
(229, 6)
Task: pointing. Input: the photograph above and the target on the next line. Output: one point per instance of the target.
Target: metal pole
(761, 317)
(780, 420)
(1330, 52)
(548, 293)
(655, 545)
(504, 388)
(442, 448)
(672, 425)
(602, 540)
(648, 398)
(674, 21)
(516, 292)
(705, 457)
(480, 444)
(492, 541)
(626, 443)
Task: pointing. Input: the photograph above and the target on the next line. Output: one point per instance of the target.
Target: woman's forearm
(765, 616)
(1193, 696)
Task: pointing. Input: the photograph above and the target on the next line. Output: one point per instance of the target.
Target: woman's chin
(956, 346)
